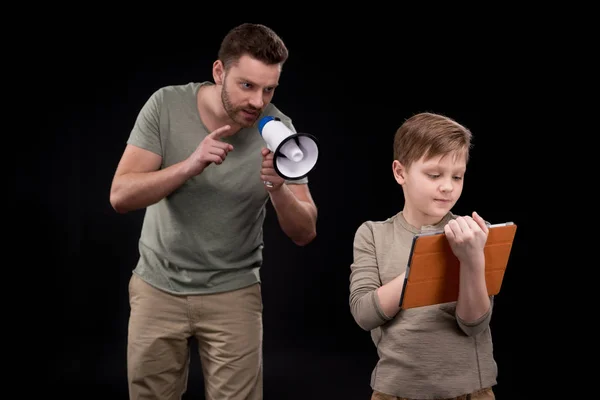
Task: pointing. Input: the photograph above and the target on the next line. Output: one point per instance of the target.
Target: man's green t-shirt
(206, 236)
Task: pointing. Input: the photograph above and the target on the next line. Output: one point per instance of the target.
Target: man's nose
(256, 100)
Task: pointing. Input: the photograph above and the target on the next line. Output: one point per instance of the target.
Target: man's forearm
(298, 219)
(136, 190)
(473, 299)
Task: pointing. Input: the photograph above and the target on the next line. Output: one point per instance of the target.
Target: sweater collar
(425, 228)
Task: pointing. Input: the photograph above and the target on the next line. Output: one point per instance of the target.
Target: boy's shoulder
(397, 222)
(382, 234)
(378, 227)
(382, 224)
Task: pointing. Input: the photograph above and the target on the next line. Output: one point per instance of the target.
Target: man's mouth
(252, 113)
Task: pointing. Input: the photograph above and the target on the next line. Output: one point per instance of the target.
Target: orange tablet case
(432, 274)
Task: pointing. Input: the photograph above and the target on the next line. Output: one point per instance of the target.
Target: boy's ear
(399, 172)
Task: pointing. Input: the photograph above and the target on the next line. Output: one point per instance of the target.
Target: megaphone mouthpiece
(291, 150)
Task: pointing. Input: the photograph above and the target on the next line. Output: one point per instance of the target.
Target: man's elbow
(117, 203)
(305, 239)
(118, 208)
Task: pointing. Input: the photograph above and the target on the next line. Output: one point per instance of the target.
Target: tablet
(432, 273)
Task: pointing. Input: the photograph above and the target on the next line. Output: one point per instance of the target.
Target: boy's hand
(467, 237)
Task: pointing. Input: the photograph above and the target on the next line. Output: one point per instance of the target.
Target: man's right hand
(210, 150)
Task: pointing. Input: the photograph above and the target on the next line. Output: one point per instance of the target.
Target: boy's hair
(430, 135)
(255, 40)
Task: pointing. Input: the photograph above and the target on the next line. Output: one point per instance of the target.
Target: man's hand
(210, 150)
(268, 174)
(467, 237)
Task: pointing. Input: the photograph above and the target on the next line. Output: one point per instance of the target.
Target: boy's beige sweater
(425, 352)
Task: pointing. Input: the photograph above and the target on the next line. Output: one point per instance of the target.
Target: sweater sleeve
(476, 327)
(364, 281)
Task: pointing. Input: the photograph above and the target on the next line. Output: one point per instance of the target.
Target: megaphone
(295, 154)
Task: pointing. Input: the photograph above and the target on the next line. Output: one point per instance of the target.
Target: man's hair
(430, 135)
(254, 40)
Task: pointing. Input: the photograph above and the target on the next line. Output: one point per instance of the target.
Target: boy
(434, 352)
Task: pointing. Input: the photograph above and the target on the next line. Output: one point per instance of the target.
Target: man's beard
(234, 112)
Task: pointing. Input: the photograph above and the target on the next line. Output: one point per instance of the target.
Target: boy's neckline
(425, 228)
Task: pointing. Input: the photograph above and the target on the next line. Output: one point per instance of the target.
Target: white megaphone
(295, 154)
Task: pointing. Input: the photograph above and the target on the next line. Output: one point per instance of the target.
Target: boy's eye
(433, 176)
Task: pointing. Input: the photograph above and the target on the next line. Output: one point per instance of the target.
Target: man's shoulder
(273, 111)
(174, 95)
(179, 89)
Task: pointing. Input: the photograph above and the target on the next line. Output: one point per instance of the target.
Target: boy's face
(431, 187)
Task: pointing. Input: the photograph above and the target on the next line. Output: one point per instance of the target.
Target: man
(196, 162)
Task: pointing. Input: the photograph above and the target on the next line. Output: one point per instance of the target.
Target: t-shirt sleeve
(146, 129)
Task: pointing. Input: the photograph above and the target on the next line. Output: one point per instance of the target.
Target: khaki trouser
(485, 394)
(228, 327)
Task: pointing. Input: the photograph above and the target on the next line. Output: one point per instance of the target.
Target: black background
(351, 86)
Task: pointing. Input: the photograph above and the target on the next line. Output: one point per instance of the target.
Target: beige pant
(485, 394)
(228, 327)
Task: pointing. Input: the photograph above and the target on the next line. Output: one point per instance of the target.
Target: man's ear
(399, 172)
(218, 72)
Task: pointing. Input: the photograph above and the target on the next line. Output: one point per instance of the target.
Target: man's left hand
(268, 175)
